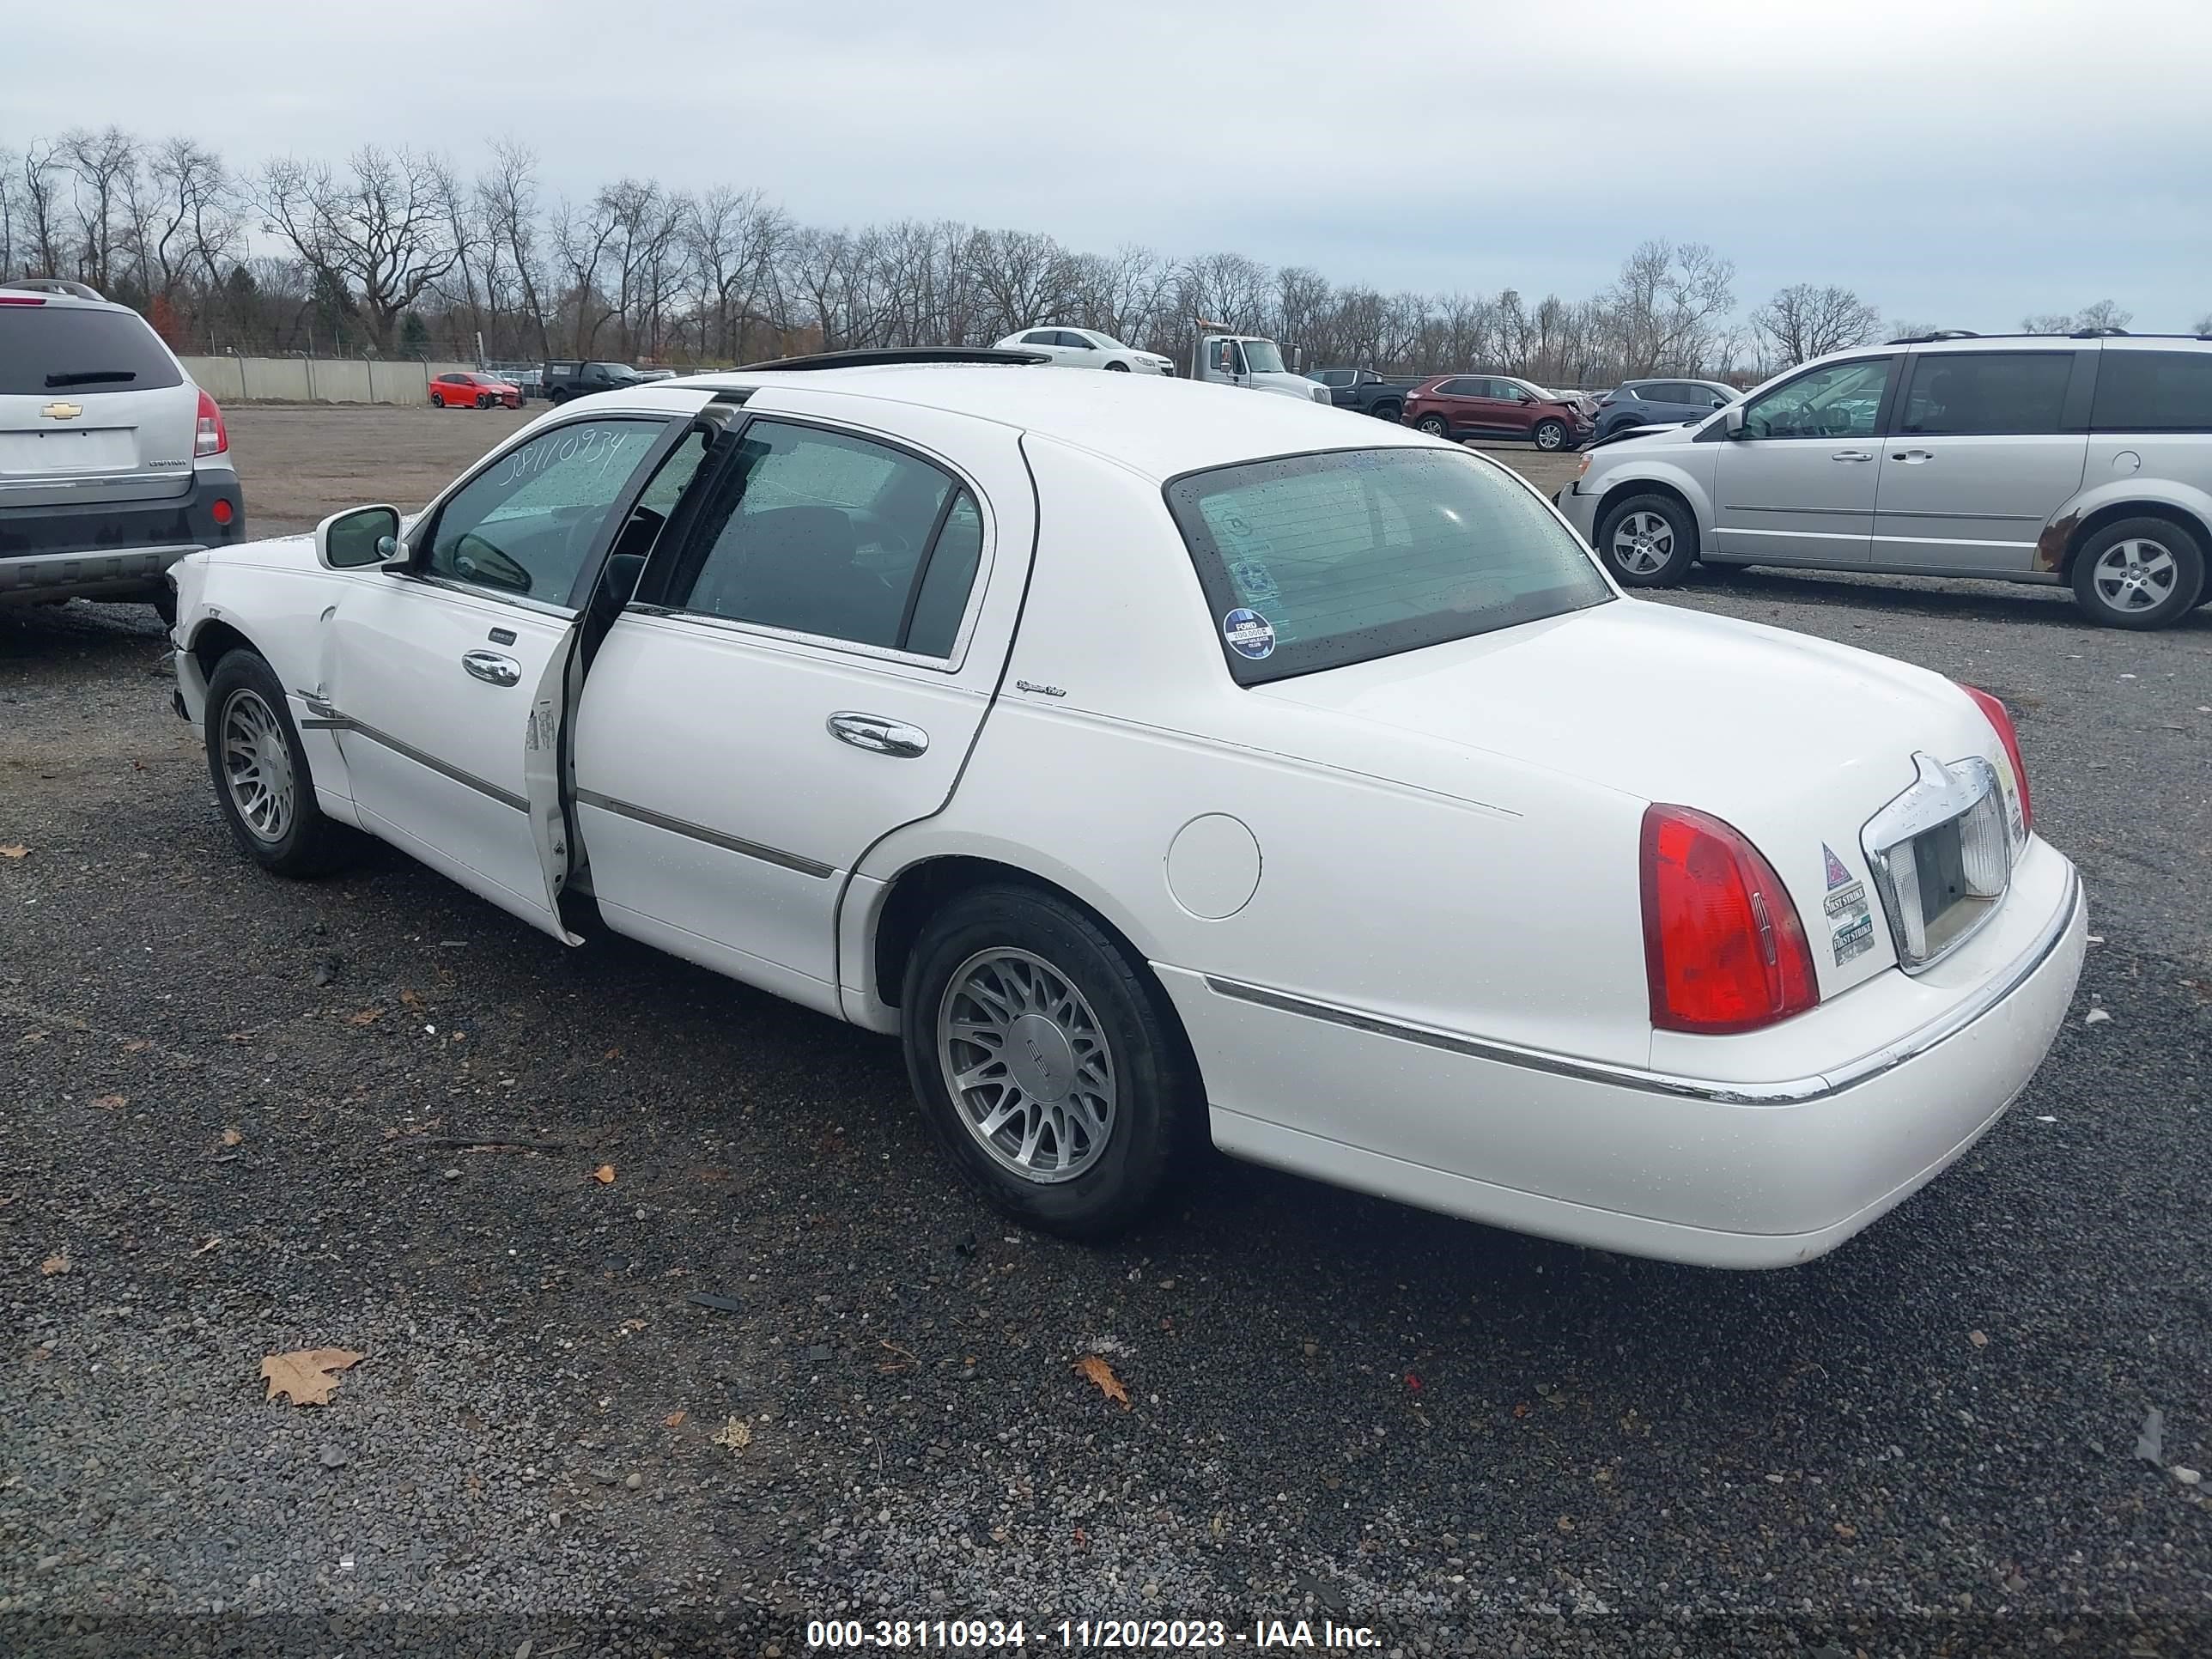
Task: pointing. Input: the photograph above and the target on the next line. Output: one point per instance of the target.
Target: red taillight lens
(220, 512)
(20, 299)
(1994, 711)
(210, 438)
(1722, 945)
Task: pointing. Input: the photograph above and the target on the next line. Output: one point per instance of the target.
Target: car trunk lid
(91, 408)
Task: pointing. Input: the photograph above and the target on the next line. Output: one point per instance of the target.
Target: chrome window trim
(767, 634)
(1939, 794)
(1791, 1091)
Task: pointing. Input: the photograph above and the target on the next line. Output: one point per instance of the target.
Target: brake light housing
(209, 436)
(1723, 949)
(1995, 712)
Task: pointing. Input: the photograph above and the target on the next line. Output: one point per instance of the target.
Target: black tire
(1395, 412)
(1157, 1103)
(1435, 425)
(1646, 558)
(1550, 436)
(485, 402)
(1119, 368)
(307, 844)
(2110, 594)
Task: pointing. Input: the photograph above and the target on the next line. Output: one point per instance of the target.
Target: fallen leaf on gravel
(674, 1420)
(14, 850)
(2095, 1017)
(1846, 1531)
(604, 1175)
(1978, 1339)
(53, 1265)
(611, 1053)
(365, 1017)
(232, 1138)
(111, 1102)
(737, 1434)
(213, 1240)
(307, 1375)
(133, 1047)
(1090, 1365)
(410, 999)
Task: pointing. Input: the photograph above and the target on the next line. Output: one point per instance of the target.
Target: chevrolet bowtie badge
(62, 411)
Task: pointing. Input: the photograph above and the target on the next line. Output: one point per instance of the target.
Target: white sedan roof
(1155, 426)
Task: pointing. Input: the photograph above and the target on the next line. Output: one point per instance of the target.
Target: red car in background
(1497, 406)
(465, 390)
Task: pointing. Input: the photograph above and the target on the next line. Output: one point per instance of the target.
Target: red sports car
(464, 390)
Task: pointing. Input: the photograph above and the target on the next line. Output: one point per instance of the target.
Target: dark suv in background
(560, 381)
(1497, 406)
(1660, 402)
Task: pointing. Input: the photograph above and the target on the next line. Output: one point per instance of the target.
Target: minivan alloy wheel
(2136, 574)
(257, 765)
(1642, 543)
(1027, 1065)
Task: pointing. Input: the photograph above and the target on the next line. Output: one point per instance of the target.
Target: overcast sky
(1955, 162)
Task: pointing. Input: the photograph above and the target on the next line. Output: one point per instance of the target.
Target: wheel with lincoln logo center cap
(1047, 1058)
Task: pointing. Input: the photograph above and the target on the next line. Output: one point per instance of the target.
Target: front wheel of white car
(260, 773)
(1120, 367)
(1648, 541)
(1047, 1060)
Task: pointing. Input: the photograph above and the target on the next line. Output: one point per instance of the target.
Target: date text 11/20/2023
(1168, 1635)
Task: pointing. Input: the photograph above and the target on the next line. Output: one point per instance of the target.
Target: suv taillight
(1722, 946)
(210, 438)
(1994, 712)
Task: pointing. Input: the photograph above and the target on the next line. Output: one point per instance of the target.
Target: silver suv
(113, 466)
(2084, 459)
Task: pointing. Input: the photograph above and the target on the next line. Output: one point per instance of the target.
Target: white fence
(315, 379)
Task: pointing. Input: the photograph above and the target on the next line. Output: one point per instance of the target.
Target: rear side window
(1315, 561)
(1985, 393)
(1463, 387)
(2153, 391)
(50, 349)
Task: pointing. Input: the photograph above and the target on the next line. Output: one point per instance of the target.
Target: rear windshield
(49, 350)
(1315, 561)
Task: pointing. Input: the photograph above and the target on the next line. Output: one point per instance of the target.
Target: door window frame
(682, 527)
(593, 563)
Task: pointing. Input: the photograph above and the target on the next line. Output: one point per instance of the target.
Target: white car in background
(1086, 347)
(1160, 764)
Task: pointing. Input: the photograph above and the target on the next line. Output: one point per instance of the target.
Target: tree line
(398, 252)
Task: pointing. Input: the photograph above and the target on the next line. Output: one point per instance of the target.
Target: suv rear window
(44, 350)
(2153, 391)
(1315, 561)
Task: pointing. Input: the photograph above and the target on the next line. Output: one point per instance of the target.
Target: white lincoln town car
(1162, 765)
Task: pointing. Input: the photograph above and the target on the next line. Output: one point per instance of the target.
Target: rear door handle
(1913, 457)
(877, 735)
(1851, 455)
(492, 668)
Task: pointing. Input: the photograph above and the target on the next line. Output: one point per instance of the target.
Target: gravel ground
(252, 1116)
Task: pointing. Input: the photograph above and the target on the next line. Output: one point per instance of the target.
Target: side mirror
(358, 537)
(1732, 420)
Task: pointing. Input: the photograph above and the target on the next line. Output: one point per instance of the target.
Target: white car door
(444, 685)
(1048, 341)
(1082, 350)
(805, 666)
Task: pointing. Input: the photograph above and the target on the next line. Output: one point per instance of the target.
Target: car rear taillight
(1722, 946)
(21, 299)
(1995, 712)
(210, 438)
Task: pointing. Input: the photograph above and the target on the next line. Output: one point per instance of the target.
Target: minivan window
(1315, 561)
(51, 349)
(1842, 400)
(1977, 393)
(2153, 391)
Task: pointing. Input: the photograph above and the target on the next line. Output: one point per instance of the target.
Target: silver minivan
(2083, 459)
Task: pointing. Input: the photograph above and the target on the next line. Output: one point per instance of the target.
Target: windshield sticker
(1249, 633)
(1255, 581)
(1838, 875)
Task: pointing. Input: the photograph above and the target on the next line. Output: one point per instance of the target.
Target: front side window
(1842, 400)
(822, 534)
(523, 525)
(1982, 393)
(2153, 391)
(1315, 562)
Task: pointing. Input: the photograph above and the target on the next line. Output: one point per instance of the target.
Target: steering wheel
(476, 560)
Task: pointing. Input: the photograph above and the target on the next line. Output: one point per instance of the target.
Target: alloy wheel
(1642, 543)
(2136, 574)
(1027, 1065)
(257, 766)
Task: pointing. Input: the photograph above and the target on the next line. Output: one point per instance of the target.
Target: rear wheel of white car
(1648, 541)
(1550, 435)
(260, 773)
(1046, 1060)
(2139, 573)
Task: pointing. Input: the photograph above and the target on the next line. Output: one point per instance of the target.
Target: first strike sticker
(1850, 919)
(1249, 633)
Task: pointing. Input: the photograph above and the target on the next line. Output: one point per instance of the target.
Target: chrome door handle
(492, 668)
(877, 735)
(1851, 455)
(1913, 457)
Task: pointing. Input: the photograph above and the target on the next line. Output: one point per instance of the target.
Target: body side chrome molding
(1786, 1092)
(333, 721)
(749, 849)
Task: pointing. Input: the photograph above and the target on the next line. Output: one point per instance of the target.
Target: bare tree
(102, 166)
(1805, 320)
(43, 231)
(2103, 314)
(1665, 304)
(377, 237)
(2048, 322)
(196, 224)
(507, 200)
(736, 238)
